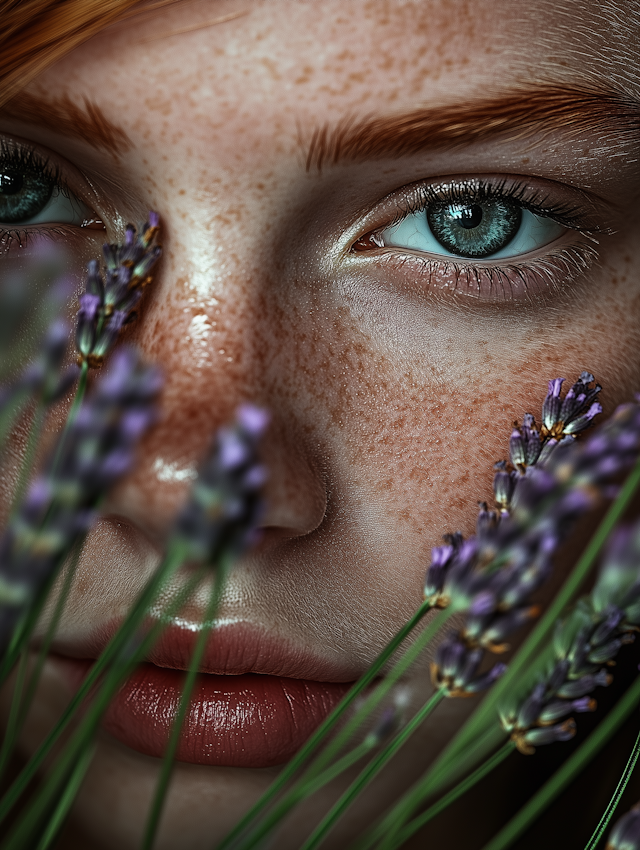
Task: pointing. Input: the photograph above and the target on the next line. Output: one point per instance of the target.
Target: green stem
(82, 740)
(66, 801)
(323, 730)
(22, 705)
(303, 789)
(461, 788)
(78, 398)
(486, 713)
(173, 559)
(615, 799)
(352, 726)
(370, 772)
(426, 786)
(28, 457)
(562, 777)
(12, 729)
(185, 699)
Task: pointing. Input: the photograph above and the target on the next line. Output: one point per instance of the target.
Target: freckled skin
(391, 400)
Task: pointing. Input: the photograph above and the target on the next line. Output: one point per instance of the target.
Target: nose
(197, 401)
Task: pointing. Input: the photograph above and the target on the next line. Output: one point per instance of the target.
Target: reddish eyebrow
(67, 118)
(521, 114)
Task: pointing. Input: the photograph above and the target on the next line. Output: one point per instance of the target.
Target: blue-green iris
(23, 195)
(476, 229)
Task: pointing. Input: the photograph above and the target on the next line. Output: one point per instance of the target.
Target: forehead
(253, 59)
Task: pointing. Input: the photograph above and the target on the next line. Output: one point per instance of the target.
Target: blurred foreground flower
(33, 294)
(60, 504)
(224, 504)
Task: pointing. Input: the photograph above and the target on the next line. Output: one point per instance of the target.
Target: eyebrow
(517, 115)
(63, 116)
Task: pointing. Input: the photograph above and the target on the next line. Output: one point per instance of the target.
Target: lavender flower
(107, 304)
(625, 835)
(455, 668)
(530, 449)
(569, 416)
(60, 504)
(493, 575)
(584, 644)
(31, 298)
(224, 506)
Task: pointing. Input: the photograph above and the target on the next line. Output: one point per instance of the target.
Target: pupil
(469, 217)
(11, 183)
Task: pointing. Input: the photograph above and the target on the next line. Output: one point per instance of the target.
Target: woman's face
(282, 142)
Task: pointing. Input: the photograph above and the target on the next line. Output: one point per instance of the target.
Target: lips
(254, 705)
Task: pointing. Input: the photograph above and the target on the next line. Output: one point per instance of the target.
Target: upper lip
(232, 649)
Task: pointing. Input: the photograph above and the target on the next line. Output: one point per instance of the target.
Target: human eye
(33, 192)
(489, 238)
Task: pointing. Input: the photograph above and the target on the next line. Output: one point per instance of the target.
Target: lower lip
(249, 720)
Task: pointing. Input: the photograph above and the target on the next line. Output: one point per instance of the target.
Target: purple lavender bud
(537, 737)
(154, 220)
(582, 422)
(584, 685)
(625, 835)
(450, 654)
(233, 451)
(485, 680)
(89, 305)
(483, 603)
(95, 285)
(552, 405)
(558, 708)
(441, 557)
(224, 507)
(505, 624)
(107, 305)
(607, 626)
(253, 420)
(93, 454)
(608, 650)
(517, 451)
(256, 477)
(531, 707)
(113, 466)
(503, 486)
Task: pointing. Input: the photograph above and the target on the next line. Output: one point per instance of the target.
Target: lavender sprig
(108, 303)
(31, 298)
(493, 574)
(585, 643)
(530, 448)
(60, 504)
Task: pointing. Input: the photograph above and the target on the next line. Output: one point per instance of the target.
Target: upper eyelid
(592, 214)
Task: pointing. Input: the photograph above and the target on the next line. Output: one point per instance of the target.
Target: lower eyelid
(556, 272)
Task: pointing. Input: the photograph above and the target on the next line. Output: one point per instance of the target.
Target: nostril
(295, 493)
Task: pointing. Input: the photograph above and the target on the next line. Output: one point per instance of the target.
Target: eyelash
(27, 159)
(549, 274)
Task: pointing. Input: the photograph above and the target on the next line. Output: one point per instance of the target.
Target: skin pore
(393, 377)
